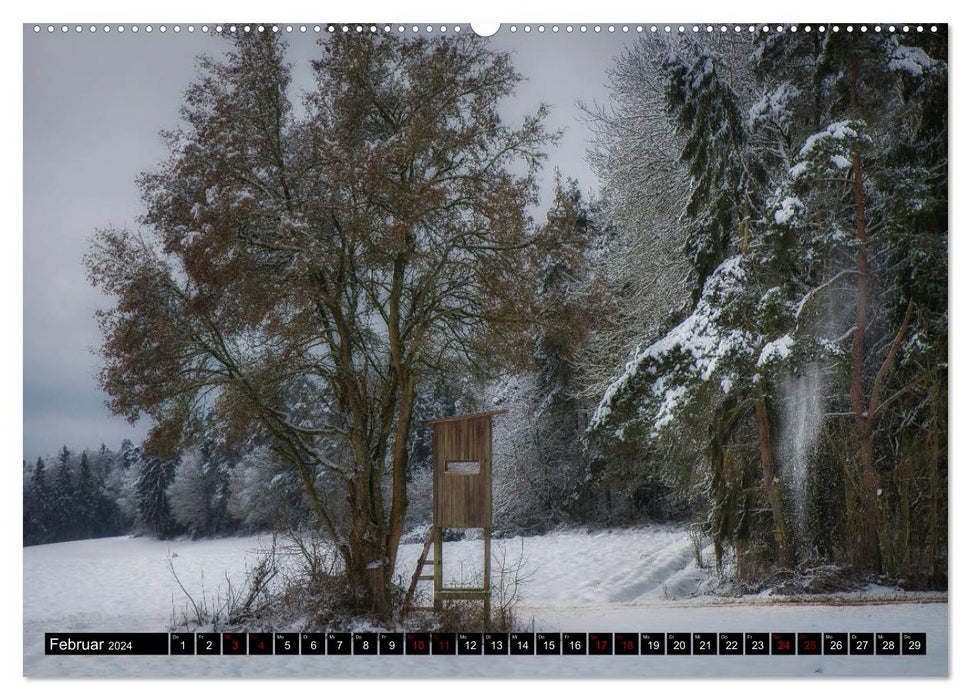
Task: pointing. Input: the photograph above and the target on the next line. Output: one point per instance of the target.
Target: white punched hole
(485, 28)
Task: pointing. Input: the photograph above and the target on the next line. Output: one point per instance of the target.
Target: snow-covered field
(635, 580)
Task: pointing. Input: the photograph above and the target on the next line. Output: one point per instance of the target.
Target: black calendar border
(383, 644)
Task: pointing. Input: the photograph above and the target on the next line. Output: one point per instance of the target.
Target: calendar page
(383, 350)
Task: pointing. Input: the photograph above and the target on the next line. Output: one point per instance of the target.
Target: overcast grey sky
(93, 106)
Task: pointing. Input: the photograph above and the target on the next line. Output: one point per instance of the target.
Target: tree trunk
(717, 456)
(723, 525)
(867, 486)
(932, 485)
(771, 485)
(372, 549)
(868, 550)
(366, 566)
(905, 477)
(405, 390)
(399, 475)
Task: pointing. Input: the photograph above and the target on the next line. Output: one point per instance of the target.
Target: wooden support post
(487, 577)
(438, 568)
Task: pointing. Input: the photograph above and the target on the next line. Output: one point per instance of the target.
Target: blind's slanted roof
(467, 416)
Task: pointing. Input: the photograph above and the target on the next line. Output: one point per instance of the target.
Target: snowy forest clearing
(634, 580)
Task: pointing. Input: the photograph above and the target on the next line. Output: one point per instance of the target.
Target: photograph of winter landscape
(609, 330)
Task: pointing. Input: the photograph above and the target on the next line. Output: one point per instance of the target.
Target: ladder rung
(423, 609)
(465, 589)
(425, 578)
(459, 594)
(429, 561)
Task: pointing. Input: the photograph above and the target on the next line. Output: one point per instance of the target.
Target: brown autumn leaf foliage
(303, 267)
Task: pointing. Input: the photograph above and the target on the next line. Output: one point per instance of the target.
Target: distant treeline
(73, 496)
(200, 493)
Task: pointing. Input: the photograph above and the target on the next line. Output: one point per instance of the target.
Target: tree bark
(905, 479)
(717, 456)
(868, 546)
(932, 485)
(405, 390)
(367, 566)
(399, 466)
(770, 483)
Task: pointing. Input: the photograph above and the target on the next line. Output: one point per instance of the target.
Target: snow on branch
(691, 352)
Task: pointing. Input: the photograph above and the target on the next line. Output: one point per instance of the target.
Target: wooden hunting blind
(461, 498)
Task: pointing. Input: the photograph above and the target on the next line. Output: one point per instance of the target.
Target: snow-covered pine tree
(727, 177)
(85, 497)
(63, 504)
(154, 477)
(41, 527)
(39, 476)
(718, 359)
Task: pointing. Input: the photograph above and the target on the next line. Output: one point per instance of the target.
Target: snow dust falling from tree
(802, 420)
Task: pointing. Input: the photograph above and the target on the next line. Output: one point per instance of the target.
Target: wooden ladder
(423, 561)
(452, 593)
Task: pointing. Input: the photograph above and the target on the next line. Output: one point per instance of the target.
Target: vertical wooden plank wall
(463, 498)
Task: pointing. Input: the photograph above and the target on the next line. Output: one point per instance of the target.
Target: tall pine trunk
(868, 545)
(779, 529)
(938, 574)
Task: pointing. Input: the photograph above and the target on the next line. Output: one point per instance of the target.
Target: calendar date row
(492, 643)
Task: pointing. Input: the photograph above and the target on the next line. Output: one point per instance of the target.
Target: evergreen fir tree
(63, 504)
(154, 478)
(85, 500)
(727, 177)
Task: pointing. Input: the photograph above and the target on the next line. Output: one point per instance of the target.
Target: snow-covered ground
(634, 580)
